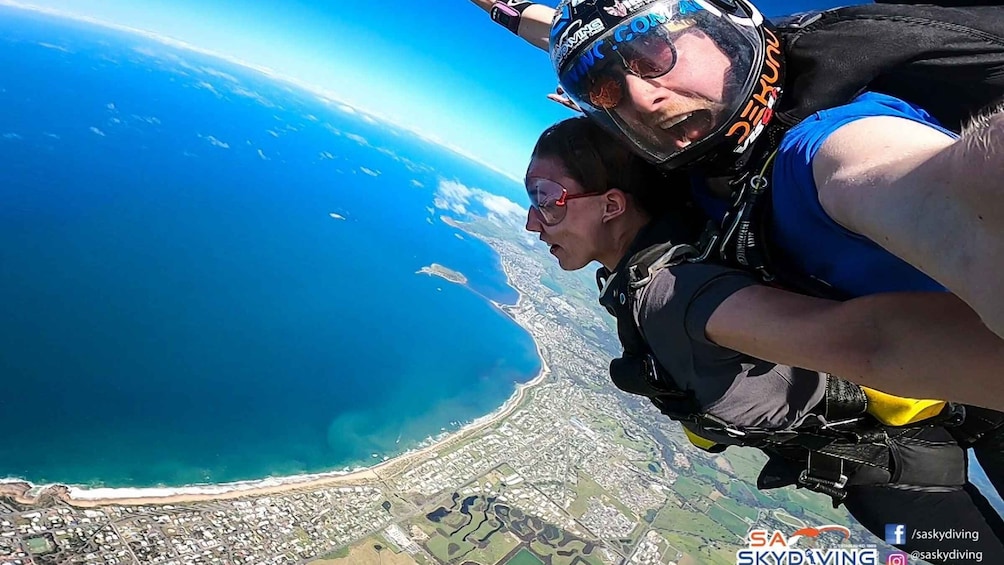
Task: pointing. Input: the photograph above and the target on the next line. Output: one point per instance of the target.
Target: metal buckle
(807, 479)
(734, 432)
(712, 241)
(831, 425)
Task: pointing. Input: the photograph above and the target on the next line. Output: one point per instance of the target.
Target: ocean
(209, 276)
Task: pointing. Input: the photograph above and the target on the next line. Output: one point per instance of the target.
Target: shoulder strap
(742, 240)
(637, 371)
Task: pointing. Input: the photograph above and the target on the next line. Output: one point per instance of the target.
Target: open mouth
(688, 128)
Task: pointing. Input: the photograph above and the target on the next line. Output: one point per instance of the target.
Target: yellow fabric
(900, 411)
(705, 444)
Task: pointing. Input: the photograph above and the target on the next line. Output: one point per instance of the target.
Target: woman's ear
(615, 203)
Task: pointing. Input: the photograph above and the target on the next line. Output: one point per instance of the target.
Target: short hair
(599, 161)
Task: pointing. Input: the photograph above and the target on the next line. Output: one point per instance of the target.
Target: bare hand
(560, 97)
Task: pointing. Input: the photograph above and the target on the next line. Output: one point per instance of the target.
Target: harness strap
(741, 228)
(843, 400)
(649, 262)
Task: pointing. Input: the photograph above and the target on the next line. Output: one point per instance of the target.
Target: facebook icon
(895, 534)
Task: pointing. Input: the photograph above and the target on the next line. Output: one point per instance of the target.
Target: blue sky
(441, 68)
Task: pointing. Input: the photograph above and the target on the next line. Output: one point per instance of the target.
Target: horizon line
(324, 95)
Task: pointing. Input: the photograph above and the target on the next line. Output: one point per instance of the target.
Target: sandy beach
(25, 493)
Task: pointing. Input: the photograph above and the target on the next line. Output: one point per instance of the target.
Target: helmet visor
(667, 78)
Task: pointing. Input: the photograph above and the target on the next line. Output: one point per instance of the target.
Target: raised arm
(919, 345)
(534, 22)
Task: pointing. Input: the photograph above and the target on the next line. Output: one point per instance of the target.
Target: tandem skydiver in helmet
(777, 128)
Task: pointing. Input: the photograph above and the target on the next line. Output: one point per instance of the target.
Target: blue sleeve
(800, 145)
(802, 228)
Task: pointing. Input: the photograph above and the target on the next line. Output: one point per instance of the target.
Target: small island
(438, 270)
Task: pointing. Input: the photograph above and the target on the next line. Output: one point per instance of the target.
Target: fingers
(564, 101)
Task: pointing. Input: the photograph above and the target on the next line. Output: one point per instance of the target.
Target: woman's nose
(533, 223)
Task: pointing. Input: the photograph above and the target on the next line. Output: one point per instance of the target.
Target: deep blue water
(176, 311)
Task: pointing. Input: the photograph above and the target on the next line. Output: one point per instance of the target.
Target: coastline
(23, 492)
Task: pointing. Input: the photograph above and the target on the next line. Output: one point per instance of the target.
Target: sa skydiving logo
(774, 548)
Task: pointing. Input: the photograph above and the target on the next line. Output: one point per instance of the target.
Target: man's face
(685, 104)
(573, 239)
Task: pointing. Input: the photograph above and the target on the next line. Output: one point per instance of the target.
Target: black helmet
(617, 59)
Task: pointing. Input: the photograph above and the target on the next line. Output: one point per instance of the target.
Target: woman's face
(574, 239)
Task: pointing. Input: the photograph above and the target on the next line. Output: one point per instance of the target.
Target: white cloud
(215, 142)
(97, 131)
(56, 47)
(219, 74)
(12, 135)
(358, 139)
(451, 195)
(416, 183)
(152, 120)
(390, 153)
(206, 86)
(262, 155)
(370, 172)
(502, 206)
(241, 91)
(457, 197)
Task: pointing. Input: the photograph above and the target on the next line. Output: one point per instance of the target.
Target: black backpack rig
(947, 60)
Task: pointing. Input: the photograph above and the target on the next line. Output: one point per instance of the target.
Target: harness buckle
(712, 241)
(833, 425)
(734, 432)
(824, 473)
(808, 480)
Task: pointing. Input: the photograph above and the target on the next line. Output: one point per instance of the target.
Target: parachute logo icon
(618, 9)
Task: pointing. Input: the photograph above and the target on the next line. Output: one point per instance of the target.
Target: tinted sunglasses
(650, 56)
(549, 199)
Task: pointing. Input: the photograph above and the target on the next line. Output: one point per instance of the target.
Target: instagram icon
(898, 558)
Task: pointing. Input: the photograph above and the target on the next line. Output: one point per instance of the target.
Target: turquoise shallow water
(180, 305)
